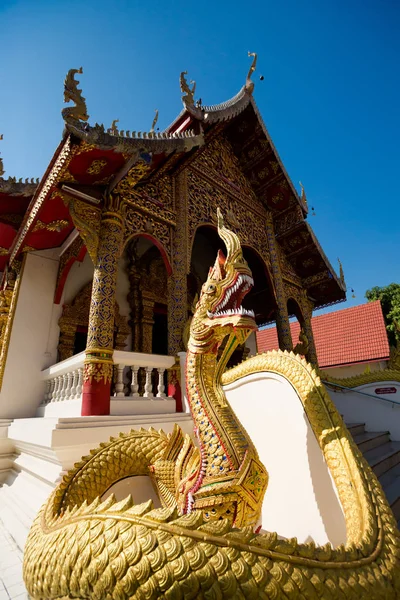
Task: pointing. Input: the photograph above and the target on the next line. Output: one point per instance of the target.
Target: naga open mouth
(232, 299)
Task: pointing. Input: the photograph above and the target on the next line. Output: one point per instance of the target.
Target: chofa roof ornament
(74, 94)
(341, 275)
(188, 93)
(2, 171)
(249, 83)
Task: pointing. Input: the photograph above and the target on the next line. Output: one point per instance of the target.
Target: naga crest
(73, 94)
(219, 311)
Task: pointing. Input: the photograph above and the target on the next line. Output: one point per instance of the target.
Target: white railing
(64, 382)
(135, 361)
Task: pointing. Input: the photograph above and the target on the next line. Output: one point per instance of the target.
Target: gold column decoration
(282, 317)
(307, 308)
(177, 281)
(8, 303)
(100, 342)
(147, 323)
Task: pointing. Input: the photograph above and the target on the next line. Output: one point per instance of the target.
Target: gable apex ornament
(188, 93)
(2, 171)
(341, 274)
(303, 195)
(249, 83)
(73, 94)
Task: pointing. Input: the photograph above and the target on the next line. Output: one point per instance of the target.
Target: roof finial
(341, 274)
(2, 171)
(303, 195)
(74, 94)
(188, 94)
(114, 128)
(154, 121)
(249, 83)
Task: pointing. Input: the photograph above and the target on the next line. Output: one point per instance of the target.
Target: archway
(261, 299)
(147, 296)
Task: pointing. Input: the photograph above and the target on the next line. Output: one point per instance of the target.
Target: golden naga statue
(74, 94)
(201, 543)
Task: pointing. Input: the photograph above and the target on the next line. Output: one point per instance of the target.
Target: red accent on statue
(174, 390)
(95, 398)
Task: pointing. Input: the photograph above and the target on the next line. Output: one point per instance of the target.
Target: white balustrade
(150, 363)
(64, 382)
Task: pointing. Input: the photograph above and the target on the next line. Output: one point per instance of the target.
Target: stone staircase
(383, 456)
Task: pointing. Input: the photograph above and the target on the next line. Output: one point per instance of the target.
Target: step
(371, 439)
(356, 428)
(393, 497)
(389, 477)
(383, 458)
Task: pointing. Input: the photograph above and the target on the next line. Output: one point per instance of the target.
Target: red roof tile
(348, 336)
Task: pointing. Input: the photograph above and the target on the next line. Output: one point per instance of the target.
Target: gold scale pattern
(81, 547)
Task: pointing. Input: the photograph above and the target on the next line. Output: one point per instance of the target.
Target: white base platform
(34, 453)
(118, 406)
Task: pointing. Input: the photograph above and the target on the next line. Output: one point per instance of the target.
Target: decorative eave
(135, 143)
(14, 187)
(224, 111)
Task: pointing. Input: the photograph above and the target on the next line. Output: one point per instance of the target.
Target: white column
(161, 387)
(68, 386)
(80, 383)
(74, 384)
(119, 386)
(135, 382)
(148, 388)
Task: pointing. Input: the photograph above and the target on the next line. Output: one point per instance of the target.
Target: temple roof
(91, 160)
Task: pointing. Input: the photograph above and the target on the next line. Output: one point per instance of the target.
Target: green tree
(390, 301)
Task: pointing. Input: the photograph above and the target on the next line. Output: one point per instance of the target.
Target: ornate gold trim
(352, 475)
(363, 378)
(7, 327)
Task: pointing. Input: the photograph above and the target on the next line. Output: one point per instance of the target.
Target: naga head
(219, 311)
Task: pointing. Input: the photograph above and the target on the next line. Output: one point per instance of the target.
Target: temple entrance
(147, 297)
(260, 299)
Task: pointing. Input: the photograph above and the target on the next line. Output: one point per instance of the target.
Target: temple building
(135, 274)
(109, 250)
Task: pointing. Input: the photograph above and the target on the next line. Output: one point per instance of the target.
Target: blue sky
(329, 98)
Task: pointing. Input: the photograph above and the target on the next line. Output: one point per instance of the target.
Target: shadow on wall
(324, 490)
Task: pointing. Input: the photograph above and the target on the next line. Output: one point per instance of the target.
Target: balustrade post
(119, 386)
(135, 383)
(68, 386)
(51, 391)
(74, 384)
(63, 387)
(79, 387)
(148, 387)
(161, 386)
(46, 393)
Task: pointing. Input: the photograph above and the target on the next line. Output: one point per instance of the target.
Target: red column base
(95, 398)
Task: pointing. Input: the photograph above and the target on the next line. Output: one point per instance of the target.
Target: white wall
(31, 347)
(376, 413)
(352, 370)
(301, 499)
(79, 275)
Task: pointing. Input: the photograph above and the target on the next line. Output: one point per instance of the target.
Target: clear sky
(330, 95)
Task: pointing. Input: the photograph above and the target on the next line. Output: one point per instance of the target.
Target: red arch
(158, 245)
